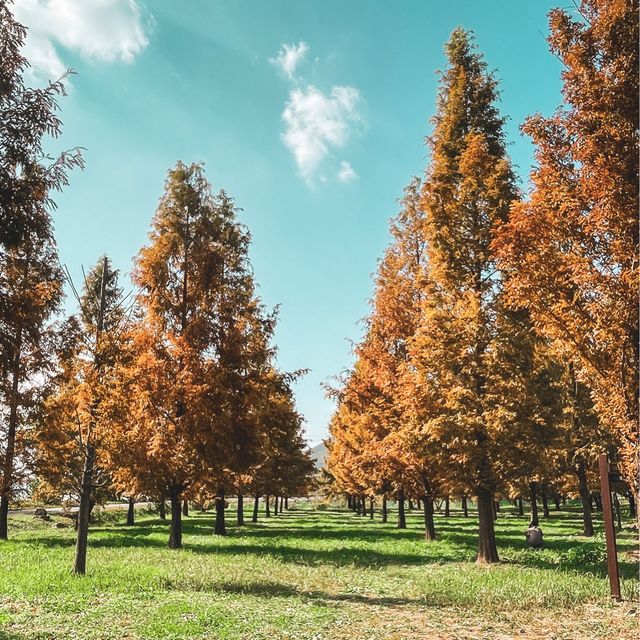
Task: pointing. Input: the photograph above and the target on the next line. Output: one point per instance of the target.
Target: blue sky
(315, 142)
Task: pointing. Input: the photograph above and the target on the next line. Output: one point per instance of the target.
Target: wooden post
(610, 532)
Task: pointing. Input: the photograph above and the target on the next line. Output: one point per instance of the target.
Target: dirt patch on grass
(618, 621)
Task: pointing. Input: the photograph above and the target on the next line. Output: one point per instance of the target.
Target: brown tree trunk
(632, 504)
(533, 497)
(545, 505)
(520, 507)
(256, 506)
(597, 498)
(371, 508)
(275, 504)
(185, 508)
(84, 512)
(556, 503)
(349, 505)
(219, 528)
(402, 520)
(410, 504)
(447, 507)
(383, 509)
(7, 467)
(286, 503)
(175, 534)
(583, 489)
(267, 508)
(465, 507)
(487, 550)
(240, 511)
(616, 506)
(162, 509)
(131, 513)
(429, 525)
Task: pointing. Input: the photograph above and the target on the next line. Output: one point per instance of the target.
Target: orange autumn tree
(80, 411)
(367, 430)
(283, 466)
(572, 248)
(467, 191)
(195, 350)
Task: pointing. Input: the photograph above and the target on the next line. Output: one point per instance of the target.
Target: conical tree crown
(469, 183)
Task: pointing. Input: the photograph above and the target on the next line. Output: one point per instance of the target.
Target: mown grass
(311, 575)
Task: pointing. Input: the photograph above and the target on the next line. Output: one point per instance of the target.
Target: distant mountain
(319, 455)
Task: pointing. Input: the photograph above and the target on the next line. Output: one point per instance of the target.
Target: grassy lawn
(311, 575)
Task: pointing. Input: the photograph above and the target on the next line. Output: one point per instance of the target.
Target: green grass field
(312, 574)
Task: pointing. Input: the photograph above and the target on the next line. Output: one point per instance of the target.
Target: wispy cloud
(316, 122)
(106, 30)
(289, 57)
(346, 173)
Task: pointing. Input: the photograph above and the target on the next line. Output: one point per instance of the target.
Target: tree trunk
(256, 506)
(7, 467)
(286, 503)
(429, 526)
(162, 509)
(545, 505)
(487, 550)
(275, 504)
(80, 563)
(240, 511)
(556, 502)
(267, 508)
(583, 489)
(371, 508)
(533, 497)
(410, 504)
(131, 513)
(175, 535)
(185, 508)
(520, 507)
(597, 498)
(402, 520)
(465, 507)
(447, 507)
(616, 506)
(384, 508)
(632, 504)
(219, 528)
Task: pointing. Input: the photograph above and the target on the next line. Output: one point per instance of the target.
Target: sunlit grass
(305, 574)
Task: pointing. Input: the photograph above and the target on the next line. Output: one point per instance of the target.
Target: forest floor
(312, 575)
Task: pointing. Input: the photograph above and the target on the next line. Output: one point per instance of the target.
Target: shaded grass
(307, 574)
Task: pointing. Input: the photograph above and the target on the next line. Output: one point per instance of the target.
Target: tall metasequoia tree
(82, 410)
(195, 347)
(30, 279)
(572, 247)
(467, 191)
(283, 466)
(368, 453)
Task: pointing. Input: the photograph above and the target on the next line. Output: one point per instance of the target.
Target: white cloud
(315, 123)
(106, 30)
(289, 57)
(346, 173)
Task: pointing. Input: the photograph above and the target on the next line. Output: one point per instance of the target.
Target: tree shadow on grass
(279, 590)
(254, 540)
(10, 635)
